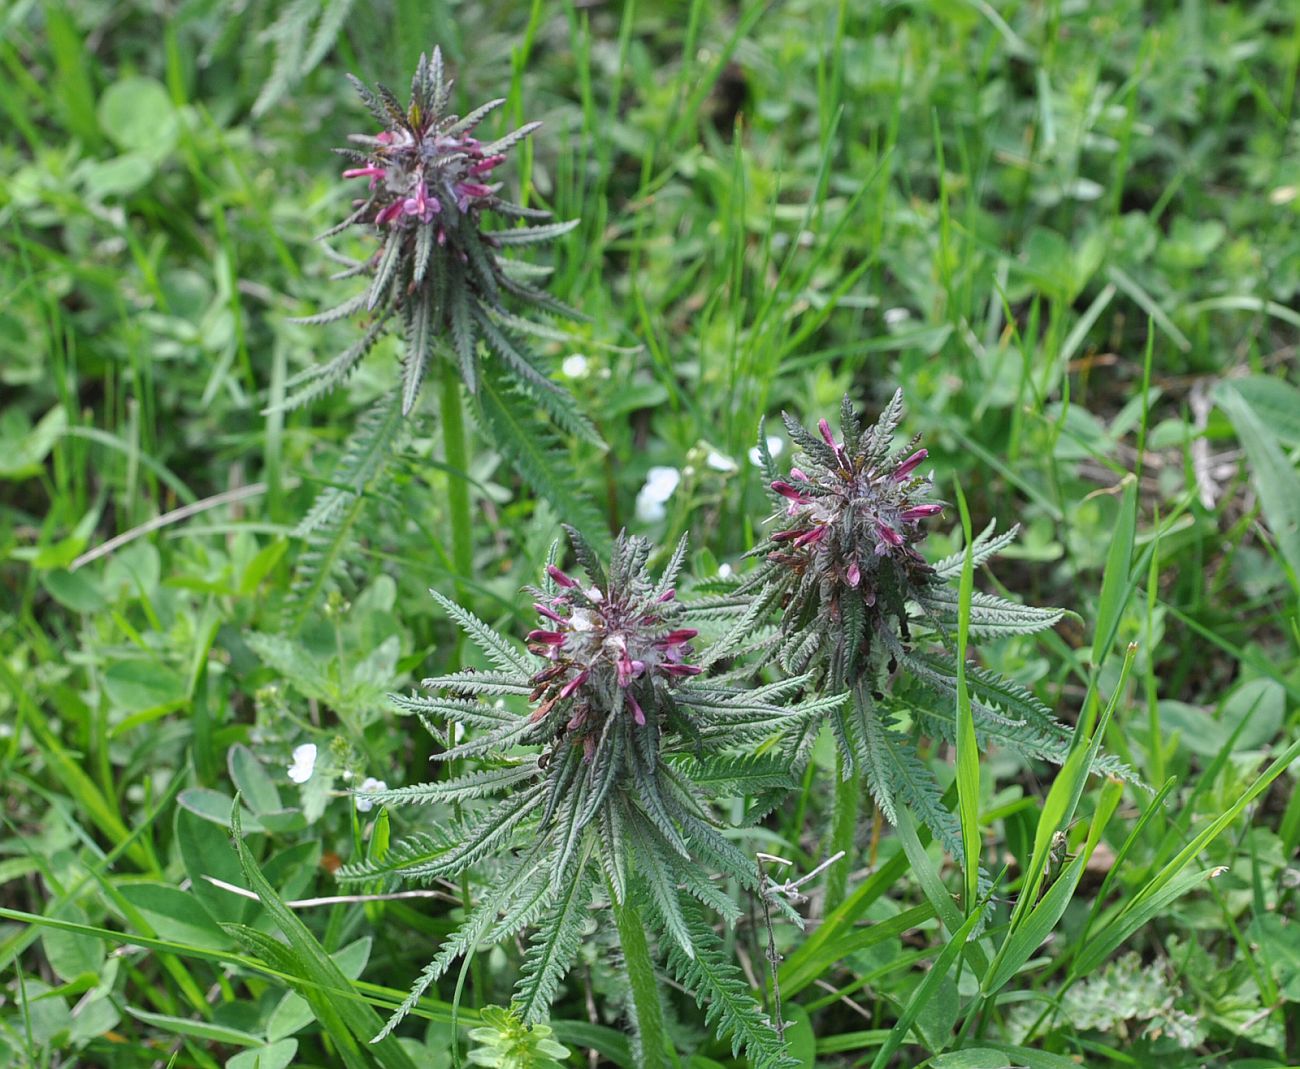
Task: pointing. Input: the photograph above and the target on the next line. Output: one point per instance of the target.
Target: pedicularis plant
(438, 268)
(608, 762)
(860, 610)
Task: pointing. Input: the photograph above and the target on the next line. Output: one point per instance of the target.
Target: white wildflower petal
(720, 462)
(368, 786)
(575, 366)
(304, 762)
(725, 571)
(660, 483)
(648, 510)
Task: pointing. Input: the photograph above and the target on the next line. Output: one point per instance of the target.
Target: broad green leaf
(119, 177)
(252, 781)
(137, 115)
(23, 448)
(1274, 475)
(972, 1058)
(143, 686)
(205, 849)
(214, 806)
(185, 1026)
(175, 914)
(71, 955)
(1275, 401)
(74, 590)
(272, 1056)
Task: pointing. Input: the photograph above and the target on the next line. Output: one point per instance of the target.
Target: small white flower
(895, 316)
(659, 486)
(775, 447)
(304, 762)
(575, 366)
(718, 462)
(724, 571)
(660, 483)
(369, 785)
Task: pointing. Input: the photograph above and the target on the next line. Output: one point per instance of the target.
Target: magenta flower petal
(560, 577)
(676, 638)
(788, 491)
(574, 683)
(903, 472)
(919, 512)
(810, 538)
(888, 534)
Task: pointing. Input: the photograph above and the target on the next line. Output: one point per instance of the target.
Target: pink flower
(388, 214)
(542, 610)
(905, 469)
(888, 534)
(486, 164)
(422, 205)
(560, 577)
(574, 683)
(372, 172)
(790, 492)
(919, 512)
(810, 538)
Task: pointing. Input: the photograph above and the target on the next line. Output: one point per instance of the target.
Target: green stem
(457, 456)
(646, 1011)
(844, 826)
(456, 453)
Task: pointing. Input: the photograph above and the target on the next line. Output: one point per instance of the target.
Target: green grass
(1068, 231)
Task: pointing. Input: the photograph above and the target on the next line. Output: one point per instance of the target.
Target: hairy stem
(647, 1014)
(844, 825)
(457, 455)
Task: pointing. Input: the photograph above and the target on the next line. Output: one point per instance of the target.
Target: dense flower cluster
(606, 648)
(438, 269)
(843, 561)
(424, 166)
(853, 514)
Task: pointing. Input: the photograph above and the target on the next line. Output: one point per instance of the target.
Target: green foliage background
(1068, 230)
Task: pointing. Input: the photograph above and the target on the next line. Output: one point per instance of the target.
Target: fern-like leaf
(555, 945)
(730, 1009)
(530, 447)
